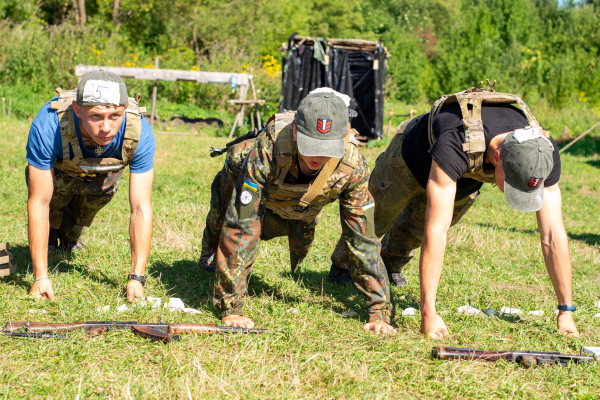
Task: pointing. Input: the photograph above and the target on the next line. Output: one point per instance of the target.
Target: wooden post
(239, 119)
(390, 122)
(154, 93)
(412, 112)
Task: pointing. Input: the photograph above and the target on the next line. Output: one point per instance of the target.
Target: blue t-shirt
(44, 145)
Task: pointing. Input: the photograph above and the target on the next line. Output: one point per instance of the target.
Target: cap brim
(311, 147)
(523, 201)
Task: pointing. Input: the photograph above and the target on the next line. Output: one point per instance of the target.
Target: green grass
(493, 260)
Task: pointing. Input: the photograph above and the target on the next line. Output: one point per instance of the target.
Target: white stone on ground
(508, 310)
(536, 312)
(597, 315)
(467, 309)
(349, 313)
(409, 312)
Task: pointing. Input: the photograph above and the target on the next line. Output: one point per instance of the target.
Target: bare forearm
(140, 234)
(555, 248)
(38, 230)
(430, 268)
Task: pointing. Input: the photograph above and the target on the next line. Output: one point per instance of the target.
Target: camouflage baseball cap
(101, 88)
(322, 123)
(527, 161)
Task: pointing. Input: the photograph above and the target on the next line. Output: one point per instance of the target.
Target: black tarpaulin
(353, 67)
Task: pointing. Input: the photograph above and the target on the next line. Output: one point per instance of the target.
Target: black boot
(395, 266)
(339, 276)
(398, 279)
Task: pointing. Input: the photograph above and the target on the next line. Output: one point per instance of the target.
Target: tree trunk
(76, 11)
(82, 16)
(115, 13)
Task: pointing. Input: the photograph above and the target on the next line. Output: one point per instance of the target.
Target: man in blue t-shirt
(78, 146)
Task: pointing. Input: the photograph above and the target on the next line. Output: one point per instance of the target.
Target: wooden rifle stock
(34, 327)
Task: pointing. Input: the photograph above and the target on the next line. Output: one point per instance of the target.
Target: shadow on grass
(57, 262)
(591, 239)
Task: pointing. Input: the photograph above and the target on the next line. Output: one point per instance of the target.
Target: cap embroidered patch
(324, 125)
(535, 182)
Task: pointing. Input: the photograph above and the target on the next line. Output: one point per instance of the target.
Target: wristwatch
(140, 278)
(563, 307)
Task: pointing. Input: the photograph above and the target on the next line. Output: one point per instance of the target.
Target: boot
(69, 245)
(339, 276)
(397, 278)
(208, 259)
(395, 266)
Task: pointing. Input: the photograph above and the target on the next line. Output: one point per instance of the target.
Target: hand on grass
(42, 290)
(566, 324)
(135, 291)
(379, 327)
(238, 320)
(433, 327)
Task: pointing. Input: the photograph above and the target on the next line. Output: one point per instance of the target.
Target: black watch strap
(564, 307)
(140, 278)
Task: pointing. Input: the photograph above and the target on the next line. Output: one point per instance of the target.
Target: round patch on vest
(246, 197)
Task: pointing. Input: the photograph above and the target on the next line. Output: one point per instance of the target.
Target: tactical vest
(90, 167)
(305, 202)
(470, 102)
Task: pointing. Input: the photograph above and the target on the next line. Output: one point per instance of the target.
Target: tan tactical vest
(90, 167)
(305, 202)
(470, 102)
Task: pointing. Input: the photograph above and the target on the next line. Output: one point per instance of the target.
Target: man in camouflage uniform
(78, 147)
(301, 162)
(431, 173)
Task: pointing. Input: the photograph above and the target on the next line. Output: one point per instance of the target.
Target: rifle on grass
(526, 358)
(161, 332)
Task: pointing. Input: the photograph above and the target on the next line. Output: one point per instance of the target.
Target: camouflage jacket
(240, 236)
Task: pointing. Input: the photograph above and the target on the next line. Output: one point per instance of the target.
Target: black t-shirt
(447, 150)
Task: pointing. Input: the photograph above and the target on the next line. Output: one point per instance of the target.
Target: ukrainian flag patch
(250, 185)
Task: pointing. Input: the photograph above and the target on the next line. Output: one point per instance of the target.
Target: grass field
(493, 260)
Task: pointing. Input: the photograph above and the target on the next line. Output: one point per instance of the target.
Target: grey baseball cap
(527, 162)
(101, 88)
(322, 123)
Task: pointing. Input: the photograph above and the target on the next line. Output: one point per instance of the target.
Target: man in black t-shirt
(431, 174)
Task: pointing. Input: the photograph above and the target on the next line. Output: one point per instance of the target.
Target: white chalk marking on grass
(539, 313)
(508, 310)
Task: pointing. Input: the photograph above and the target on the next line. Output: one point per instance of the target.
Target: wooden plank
(5, 258)
(4, 246)
(6, 270)
(166, 74)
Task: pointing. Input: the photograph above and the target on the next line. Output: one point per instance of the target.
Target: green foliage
(547, 51)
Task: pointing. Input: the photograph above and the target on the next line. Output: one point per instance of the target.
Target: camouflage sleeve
(240, 236)
(362, 245)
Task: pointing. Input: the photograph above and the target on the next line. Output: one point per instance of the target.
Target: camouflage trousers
(300, 233)
(76, 201)
(400, 206)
